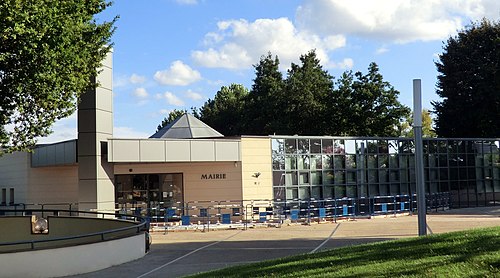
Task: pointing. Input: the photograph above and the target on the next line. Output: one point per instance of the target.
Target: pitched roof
(186, 127)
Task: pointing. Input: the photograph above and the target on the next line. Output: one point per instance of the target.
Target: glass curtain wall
(318, 168)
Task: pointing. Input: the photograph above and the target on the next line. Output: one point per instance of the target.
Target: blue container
(262, 216)
(322, 212)
(185, 220)
(226, 218)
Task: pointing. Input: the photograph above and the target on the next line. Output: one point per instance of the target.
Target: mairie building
(187, 163)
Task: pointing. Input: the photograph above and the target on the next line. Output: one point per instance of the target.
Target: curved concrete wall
(72, 260)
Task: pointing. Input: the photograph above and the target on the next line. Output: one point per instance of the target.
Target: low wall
(18, 228)
(72, 260)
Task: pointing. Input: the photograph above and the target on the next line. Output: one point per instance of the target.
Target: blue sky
(175, 54)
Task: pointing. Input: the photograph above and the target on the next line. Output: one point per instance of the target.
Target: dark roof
(187, 127)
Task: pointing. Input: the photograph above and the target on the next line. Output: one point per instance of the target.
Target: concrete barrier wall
(18, 228)
(72, 260)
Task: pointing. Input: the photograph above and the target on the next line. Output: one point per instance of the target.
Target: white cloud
(178, 74)
(64, 129)
(141, 93)
(120, 81)
(238, 44)
(137, 79)
(128, 132)
(345, 64)
(193, 95)
(187, 2)
(172, 99)
(394, 21)
(381, 50)
(165, 111)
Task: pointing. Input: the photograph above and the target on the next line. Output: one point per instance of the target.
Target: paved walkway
(177, 254)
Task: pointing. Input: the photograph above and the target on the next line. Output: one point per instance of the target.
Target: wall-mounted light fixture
(256, 175)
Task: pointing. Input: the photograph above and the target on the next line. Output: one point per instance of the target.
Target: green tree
(307, 88)
(263, 105)
(225, 113)
(49, 52)
(367, 105)
(406, 128)
(172, 116)
(469, 83)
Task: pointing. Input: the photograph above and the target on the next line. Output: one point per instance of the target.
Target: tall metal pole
(419, 157)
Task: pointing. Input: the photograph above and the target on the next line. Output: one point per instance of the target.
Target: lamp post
(419, 158)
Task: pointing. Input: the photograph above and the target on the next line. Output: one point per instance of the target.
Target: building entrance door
(143, 193)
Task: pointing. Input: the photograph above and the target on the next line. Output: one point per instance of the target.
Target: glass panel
(339, 177)
(372, 161)
(383, 161)
(290, 163)
(433, 160)
(383, 175)
(340, 191)
(403, 161)
(351, 191)
(443, 174)
(403, 175)
(394, 176)
(351, 176)
(278, 146)
(327, 146)
(304, 192)
(339, 147)
(328, 192)
(304, 178)
(328, 177)
(303, 162)
(373, 176)
(360, 146)
(443, 160)
(292, 193)
(278, 178)
(339, 162)
(303, 146)
(317, 192)
(372, 146)
(393, 161)
(316, 162)
(315, 145)
(350, 161)
(350, 146)
(316, 178)
(406, 146)
(393, 146)
(278, 162)
(327, 162)
(383, 146)
(290, 146)
(291, 178)
(279, 193)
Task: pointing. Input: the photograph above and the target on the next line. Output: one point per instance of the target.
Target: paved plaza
(176, 254)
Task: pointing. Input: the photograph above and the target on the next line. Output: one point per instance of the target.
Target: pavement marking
(429, 228)
(188, 254)
(326, 240)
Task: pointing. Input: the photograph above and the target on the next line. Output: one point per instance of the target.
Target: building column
(96, 190)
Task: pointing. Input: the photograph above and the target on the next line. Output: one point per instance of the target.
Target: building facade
(188, 162)
(349, 167)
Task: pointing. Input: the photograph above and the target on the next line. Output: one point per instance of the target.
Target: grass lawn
(472, 253)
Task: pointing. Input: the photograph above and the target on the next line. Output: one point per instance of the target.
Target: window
(11, 196)
(236, 211)
(4, 196)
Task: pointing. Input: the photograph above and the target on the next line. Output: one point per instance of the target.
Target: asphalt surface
(177, 254)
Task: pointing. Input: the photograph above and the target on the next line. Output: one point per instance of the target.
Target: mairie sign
(213, 176)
